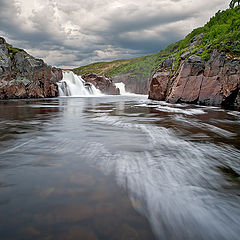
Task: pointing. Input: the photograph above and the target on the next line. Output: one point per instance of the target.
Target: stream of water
(118, 167)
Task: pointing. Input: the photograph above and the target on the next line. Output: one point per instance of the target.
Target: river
(118, 167)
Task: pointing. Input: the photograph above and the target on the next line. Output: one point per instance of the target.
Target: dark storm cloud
(76, 32)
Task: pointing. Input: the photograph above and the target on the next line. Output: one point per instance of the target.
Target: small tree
(233, 2)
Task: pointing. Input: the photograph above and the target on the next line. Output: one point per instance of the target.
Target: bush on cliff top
(222, 32)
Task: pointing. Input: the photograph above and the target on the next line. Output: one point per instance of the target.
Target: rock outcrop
(133, 84)
(104, 84)
(215, 82)
(23, 76)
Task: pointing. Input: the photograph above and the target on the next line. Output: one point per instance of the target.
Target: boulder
(159, 85)
(104, 84)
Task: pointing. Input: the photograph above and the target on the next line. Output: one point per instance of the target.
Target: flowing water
(118, 167)
(122, 89)
(73, 85)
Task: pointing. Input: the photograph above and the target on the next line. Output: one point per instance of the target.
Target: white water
(73, 85)
(121, 87)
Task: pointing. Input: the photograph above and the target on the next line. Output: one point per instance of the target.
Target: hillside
(221, 32)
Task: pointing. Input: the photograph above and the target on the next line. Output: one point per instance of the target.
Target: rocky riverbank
(23, 76)
(213, 82)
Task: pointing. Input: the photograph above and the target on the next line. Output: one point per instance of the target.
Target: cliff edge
(23, 76)
(204, 68)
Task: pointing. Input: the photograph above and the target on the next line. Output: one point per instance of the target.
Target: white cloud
(74, 32)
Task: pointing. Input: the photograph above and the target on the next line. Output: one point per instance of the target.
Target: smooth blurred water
(121, 167)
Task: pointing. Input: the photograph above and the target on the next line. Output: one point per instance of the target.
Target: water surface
(121, 167)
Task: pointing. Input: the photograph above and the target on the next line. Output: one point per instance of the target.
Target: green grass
(221, 32)
(12, 51)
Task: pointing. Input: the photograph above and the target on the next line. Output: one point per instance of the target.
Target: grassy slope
(222, 32)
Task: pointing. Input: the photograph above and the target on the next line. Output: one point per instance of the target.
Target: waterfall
(73, 85)
(121, 87)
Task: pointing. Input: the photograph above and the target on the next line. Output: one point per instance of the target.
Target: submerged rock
(215, 82)
(23, 76)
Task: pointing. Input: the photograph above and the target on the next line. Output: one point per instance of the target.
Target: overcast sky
(70, 33)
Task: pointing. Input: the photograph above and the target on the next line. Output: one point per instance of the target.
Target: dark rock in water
(104, 84)
(23, 76)
(215, 82)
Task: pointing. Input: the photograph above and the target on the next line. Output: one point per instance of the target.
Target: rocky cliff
(213, 82)
(196, 51)
(104, 84)
(23, 76)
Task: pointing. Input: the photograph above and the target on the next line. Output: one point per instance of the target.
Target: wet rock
(104, 84)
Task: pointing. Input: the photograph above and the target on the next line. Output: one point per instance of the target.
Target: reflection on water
(120, 167)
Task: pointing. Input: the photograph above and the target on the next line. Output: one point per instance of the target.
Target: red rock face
(102, 83)
(216, 82)
(159, 85)
(23, 76)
